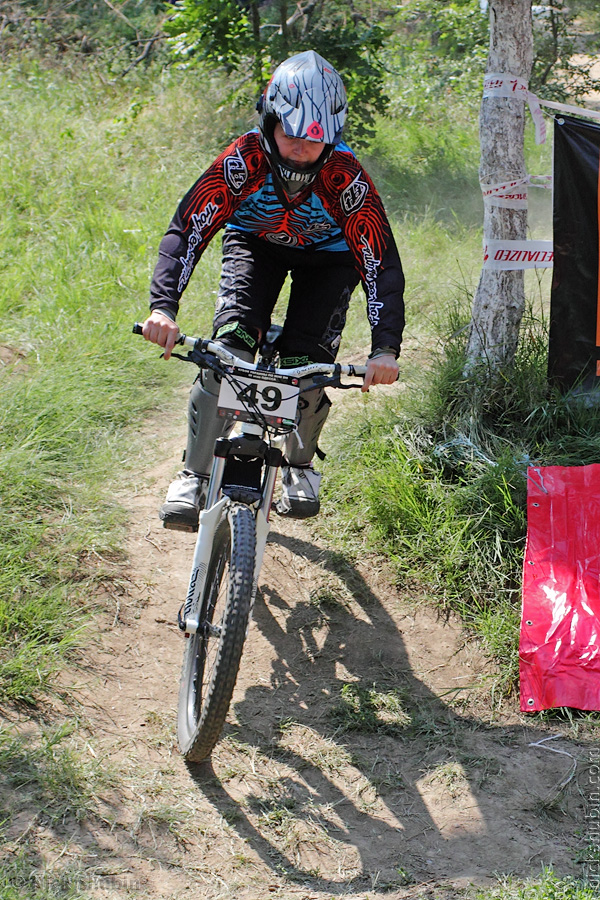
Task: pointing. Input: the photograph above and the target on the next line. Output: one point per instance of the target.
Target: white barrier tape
(513, 194)
(510, 195)
(504, 85)
(538, 118)
(510, 255)
(498, 85)
(576, 110)
(541, 181)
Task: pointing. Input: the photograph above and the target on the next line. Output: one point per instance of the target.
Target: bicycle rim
(212, 655)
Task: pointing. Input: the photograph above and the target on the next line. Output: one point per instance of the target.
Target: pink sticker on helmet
(315, 131)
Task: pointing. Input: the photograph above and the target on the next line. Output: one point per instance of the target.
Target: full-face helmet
(307, 98)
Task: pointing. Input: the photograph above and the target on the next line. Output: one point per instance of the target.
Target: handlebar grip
(137, 328)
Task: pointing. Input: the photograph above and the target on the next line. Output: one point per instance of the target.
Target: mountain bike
(234, 523)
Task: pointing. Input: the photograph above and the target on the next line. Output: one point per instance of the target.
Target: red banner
(559, 651)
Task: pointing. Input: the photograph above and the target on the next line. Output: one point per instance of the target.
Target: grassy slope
(89, 176)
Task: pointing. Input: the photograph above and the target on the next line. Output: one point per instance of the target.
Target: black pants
(253, 274)
(322, 282)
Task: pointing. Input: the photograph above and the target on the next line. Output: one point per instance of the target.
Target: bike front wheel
(212, 655)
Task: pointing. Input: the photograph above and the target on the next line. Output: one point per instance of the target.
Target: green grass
(422, 168)
(445, 497)
(548, 887)
(373, 710)
(83, 211)
(47, 775)
(52, 768)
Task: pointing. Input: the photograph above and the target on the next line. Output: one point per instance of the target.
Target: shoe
(185, 498)
(299, 492)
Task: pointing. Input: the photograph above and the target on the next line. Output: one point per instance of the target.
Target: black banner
(574, 351)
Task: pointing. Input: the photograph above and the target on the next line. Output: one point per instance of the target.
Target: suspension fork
(209, 520)
(210, 517)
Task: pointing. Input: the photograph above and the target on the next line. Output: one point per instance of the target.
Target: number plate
(274, 396)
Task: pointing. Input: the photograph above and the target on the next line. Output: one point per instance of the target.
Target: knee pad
(204, 425)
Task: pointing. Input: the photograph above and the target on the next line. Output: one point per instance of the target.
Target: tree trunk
(284, 26)
(255, 22)
(500, 298)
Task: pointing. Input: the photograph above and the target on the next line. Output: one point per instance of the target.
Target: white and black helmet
(307, 97)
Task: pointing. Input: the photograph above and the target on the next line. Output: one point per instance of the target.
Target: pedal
(174, 525)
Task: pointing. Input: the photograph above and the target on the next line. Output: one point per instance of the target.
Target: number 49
(268, 398)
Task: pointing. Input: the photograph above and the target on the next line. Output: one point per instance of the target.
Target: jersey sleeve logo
(371, 267)
(235, 172)
(353, 197)
(199, 222)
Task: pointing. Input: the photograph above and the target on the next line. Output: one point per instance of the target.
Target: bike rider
(293, 199)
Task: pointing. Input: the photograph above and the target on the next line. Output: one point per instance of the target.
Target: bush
(446, 495)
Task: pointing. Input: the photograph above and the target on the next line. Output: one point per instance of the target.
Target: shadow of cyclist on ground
(358, 773)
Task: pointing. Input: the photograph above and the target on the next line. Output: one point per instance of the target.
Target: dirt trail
(429, 790)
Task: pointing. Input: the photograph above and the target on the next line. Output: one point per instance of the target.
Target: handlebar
(201, 348)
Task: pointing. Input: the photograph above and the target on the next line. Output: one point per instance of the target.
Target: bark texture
(500, 297)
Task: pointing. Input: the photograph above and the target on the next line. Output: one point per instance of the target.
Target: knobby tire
(211, 661)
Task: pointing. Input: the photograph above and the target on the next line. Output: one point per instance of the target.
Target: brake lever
(322, 381)
(205, 360)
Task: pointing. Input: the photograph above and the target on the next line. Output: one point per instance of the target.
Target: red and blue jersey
(339, 211)
(306, 225)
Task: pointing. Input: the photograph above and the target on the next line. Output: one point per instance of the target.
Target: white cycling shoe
(299, 492)
(185, 498)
